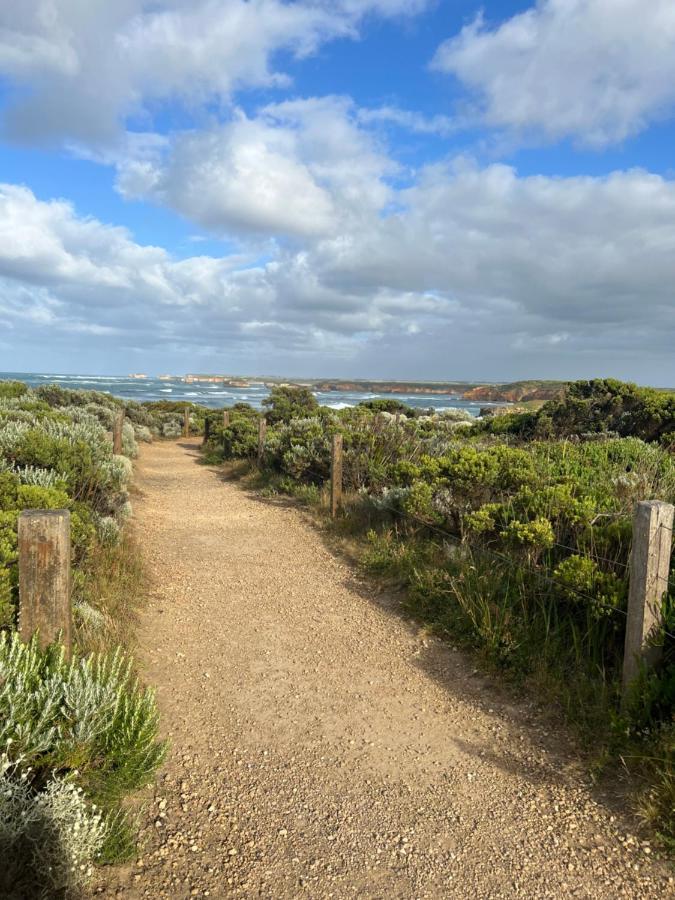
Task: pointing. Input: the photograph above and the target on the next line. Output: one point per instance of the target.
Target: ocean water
(215, 395)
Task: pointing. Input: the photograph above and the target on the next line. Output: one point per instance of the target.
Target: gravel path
(322, 746)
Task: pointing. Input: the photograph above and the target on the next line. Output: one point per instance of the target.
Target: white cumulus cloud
(82, 68)
(595, 70)
(299, 168)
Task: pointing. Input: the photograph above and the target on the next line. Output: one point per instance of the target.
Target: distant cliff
(215, 379)
(391, 387)
(516, 392)
(511, 392)
(482, 392)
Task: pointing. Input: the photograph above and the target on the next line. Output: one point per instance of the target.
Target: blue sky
(360, 188)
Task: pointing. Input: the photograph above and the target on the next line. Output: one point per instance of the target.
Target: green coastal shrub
(287, 402)
(142, 433)
(388, 405)
(129, 445)
(300, 448)
(240, 438)
(56, 452)
(10, 390)
(87, 720)
(171, 427)
(602, 405)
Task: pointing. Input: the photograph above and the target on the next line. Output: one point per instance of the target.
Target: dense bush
(287, 402)
(389, 405)
(239, 440)
(51, 459)
(165, 417)
(56, 452)
(596, 407)
(10, 390)
(75, 738)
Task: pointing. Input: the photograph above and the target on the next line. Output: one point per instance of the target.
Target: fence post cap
(653, 504)
(42, 513)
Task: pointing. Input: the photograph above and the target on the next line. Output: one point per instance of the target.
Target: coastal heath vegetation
(78, 737)
(509, 535)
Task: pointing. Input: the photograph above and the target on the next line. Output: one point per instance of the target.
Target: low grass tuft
(109, 592)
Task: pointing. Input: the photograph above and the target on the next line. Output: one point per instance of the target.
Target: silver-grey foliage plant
(49, 839)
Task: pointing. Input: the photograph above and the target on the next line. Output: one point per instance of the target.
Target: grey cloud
(479, 273)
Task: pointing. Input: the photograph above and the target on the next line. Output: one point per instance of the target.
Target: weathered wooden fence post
(186, 422)
(336, 475)
(207, 430)
(44, 576)
(118, 425)
(649, 570)
(226, 424)
(262, 431)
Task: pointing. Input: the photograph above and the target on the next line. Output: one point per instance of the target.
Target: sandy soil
(322, 746)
